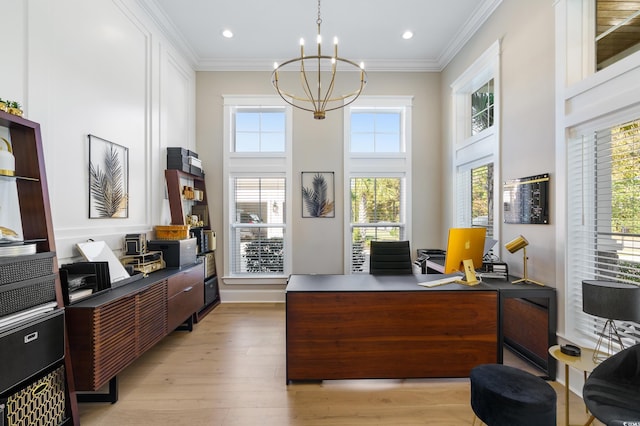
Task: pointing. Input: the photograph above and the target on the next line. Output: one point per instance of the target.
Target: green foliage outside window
(625, 178)
(482, 101)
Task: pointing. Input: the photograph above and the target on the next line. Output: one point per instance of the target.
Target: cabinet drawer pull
(31, 337)
(187, 289)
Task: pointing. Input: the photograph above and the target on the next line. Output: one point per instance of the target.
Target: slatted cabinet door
(107, 338)
(108, 345)
(151, 311)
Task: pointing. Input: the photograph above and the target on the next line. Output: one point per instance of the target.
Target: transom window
(482, 108)
(259, 130)
(376, 131)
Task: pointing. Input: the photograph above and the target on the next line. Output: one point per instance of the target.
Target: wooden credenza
(111, 330)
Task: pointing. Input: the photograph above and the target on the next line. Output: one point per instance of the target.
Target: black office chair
(390, 258)
(612, 391)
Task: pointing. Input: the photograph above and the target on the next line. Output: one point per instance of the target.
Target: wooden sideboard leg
(111, 396)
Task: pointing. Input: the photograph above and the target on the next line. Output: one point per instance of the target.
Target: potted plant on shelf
(15, 108)
(4, 105)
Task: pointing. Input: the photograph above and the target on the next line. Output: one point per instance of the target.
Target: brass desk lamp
(513, 246)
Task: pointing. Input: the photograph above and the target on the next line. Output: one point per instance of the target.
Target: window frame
(255, 164)
(377, 164)
(470, 150)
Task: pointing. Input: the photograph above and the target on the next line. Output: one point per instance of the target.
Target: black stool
(503, 395)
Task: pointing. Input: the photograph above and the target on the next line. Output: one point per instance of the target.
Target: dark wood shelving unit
(179, 208)
(177, 204)
(35, 211)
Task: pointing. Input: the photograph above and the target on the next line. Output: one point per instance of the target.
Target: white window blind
(482, 197)
(377, 213)
(258, 225)
(603, 222)
(463, 198)
(475, 197)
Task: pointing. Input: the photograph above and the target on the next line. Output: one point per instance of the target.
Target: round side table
(583, 363)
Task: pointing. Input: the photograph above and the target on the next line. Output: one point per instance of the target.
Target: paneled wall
(102, 68)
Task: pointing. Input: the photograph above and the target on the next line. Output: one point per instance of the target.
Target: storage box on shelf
(184, 160)
(42, 402)
(32, 302)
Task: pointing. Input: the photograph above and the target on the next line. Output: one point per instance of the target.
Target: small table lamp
(513, 246)
(612, 301)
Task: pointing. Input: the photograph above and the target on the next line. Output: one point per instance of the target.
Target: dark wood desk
(366, 326)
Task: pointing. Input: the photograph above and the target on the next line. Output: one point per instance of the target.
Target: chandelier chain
(319, 20)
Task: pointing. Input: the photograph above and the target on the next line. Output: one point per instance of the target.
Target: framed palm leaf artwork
(318, 194)
(108, 179)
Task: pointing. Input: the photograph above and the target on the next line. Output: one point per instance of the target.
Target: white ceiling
(368, 30)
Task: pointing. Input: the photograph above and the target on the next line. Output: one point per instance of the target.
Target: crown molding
(473, 24)
(169, 30)
(174, 36)
(380, 65)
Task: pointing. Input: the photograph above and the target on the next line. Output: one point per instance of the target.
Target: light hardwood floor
(230, 371)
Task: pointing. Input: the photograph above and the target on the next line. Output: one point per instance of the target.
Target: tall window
(257, 175)
(603, 222)
(377, 164)
(476, 143)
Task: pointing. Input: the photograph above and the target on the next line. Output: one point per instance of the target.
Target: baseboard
(252, 296)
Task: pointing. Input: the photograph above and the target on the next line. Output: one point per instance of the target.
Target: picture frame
(318, 195)
(108, 179)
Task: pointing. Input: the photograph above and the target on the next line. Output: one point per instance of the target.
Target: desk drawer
(184, 304)
(31, 347)
(184, 279)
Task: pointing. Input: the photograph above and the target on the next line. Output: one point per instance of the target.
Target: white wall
(101, 68)
(318, 145)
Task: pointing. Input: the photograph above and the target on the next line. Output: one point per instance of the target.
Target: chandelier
(314, 90)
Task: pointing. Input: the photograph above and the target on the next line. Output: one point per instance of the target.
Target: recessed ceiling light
(407, 35)
(227, 34)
